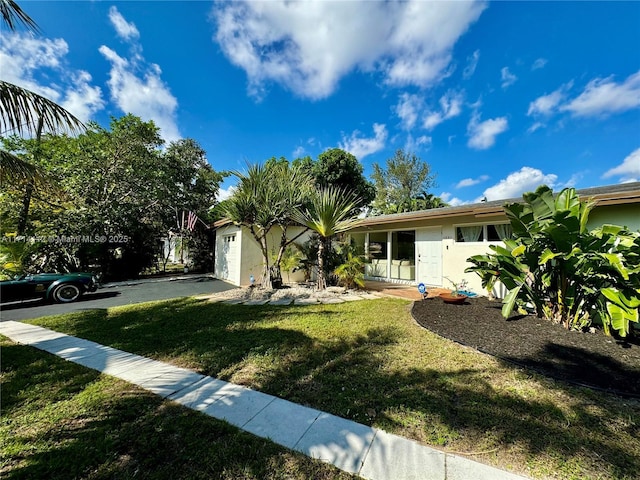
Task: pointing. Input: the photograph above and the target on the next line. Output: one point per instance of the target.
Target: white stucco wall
(250, 258)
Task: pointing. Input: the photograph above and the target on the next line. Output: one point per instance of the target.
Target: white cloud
(225, 193)
(574, 180)
(483, 134)
(83, 99)
(360, 146)
(298, 152)
(124, 29)
(525, 180)
(452, 201)
(26, 61)
(539, 63)
(535, 126)
(548, 104)
(137, 87)
(507, 77)
(469, 182)
(408, 109)
(628, 170)
(423, 142)
(450, 106)
(472, 63)
(309, 46)
(603, 96)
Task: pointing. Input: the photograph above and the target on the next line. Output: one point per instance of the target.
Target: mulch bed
(588, 359)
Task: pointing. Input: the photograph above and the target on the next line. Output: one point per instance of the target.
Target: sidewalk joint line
(366, 454)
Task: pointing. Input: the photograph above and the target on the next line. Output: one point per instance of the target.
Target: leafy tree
(340, 169)
(117, 185)
(265, 198)
(328, 212)
(405, 177)
(193, 188)
(569, 275)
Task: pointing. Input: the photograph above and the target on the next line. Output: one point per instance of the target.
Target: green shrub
(568, 274)
(351, 272)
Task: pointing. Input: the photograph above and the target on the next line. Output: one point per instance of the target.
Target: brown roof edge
(221, 223)
(610, 195)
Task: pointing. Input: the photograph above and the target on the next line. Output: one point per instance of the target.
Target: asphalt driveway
(125, 293)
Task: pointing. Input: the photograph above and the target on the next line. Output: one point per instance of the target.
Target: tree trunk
(266, 271)
(24, 211)
(321, 281)
(26, 200)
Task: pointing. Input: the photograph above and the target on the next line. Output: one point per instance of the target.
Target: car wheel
(65, 293)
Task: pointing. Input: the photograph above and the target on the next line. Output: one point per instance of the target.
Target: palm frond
(14, 170)
(12, 14)
(329, 212)
(22, 109)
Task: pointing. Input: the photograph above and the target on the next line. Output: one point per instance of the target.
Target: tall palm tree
(25, 112)
(328, 213)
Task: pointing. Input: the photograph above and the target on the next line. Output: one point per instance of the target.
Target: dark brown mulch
(590, 359)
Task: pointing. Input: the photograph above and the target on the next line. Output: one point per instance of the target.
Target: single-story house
(427, 246)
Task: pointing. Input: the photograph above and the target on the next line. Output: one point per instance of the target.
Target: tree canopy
(340, 169)
(404, 178)
(114, 184)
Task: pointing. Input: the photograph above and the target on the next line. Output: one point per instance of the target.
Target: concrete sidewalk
(350, 446)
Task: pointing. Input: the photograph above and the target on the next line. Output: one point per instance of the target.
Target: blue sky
(497, 97)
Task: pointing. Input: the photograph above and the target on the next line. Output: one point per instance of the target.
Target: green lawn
(63, 421)
(368, 361)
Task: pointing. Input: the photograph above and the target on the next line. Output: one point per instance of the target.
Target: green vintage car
(53, 287)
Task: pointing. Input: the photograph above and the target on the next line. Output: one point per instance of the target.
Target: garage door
(228, 258)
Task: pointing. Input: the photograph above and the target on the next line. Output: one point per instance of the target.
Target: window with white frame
(229, 238)
(492, 232)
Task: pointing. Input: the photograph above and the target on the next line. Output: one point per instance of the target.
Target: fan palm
(328, 213)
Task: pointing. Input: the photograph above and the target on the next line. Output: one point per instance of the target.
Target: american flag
(192, 218)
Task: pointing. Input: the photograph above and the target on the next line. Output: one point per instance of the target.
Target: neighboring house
(174, 249)
(238, 255)
(427, 246)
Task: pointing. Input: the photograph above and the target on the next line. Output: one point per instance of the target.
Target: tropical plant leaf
(615, 262)
(22, 109)
(12, 14)
(509, 301)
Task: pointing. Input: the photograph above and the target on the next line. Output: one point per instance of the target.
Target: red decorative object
(456, 299)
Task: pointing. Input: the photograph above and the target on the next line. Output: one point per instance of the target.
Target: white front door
(429, 255)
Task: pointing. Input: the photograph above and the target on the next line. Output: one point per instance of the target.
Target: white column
(389, 237)
(366, 245)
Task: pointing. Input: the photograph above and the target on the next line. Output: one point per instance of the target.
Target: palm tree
(265, 198)
(426, 201)
(25, 112)
(328, 213)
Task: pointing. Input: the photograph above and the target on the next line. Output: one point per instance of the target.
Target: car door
(22, 289)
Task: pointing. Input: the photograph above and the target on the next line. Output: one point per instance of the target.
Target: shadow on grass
(577, 365)
(439, 407)
(63, 421)
(349, 377)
